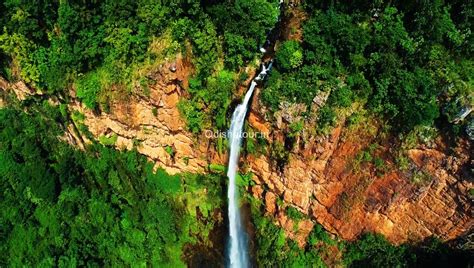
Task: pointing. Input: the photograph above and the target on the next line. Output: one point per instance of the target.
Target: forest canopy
(406, 63)
(100, 207)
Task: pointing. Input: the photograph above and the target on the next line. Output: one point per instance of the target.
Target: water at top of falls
(238, 253)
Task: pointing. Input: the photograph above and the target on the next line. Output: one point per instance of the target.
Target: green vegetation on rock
(407, 63)
(98, 207)
(275, 248)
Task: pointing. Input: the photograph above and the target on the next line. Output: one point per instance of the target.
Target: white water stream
(238, 253)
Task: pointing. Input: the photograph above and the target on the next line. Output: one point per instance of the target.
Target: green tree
(375, 251)
(289, 55)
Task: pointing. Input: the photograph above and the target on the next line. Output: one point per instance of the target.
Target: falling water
(237, 247)
(238, 253)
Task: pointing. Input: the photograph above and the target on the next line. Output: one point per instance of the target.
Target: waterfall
(238, 253)
(237, 244)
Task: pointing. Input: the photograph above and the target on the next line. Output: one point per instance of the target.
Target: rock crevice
(320, 178)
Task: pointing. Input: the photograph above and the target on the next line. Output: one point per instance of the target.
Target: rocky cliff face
(152, 123)
(322, 177)
(323, 180)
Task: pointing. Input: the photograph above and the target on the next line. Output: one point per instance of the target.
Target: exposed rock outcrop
(320, 178)
(20, 89)
(152, 123)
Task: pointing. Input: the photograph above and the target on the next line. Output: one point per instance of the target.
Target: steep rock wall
(321, 181)
(319, 178)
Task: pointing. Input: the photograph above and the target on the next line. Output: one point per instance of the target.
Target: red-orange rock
(270, 203)
(259, 125)
(321, 177)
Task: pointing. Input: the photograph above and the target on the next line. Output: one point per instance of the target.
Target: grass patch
(294, 213)
(108, 141)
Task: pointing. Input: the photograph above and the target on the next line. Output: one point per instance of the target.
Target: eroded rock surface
(320, 178)
(322, 181)
(152, 123)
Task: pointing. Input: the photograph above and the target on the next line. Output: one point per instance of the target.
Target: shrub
(373, 250)
(108, 141)
(279, 154)
(289, 55)
(193, 116)
(326, 118)
(294, 213)
(342, 96)
(209, 101)
(421, 178)
(295, 128)
(170, 150)
(217, 168)
(271, 94)
(88, 88)
(239, 50)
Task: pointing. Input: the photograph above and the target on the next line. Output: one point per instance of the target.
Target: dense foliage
(244, 25)
(406, 61)
(101, 47)
(275, 249)
(372, 250)
(67, 208)
(213, 98)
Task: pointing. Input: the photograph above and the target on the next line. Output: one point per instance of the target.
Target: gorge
(361, 158)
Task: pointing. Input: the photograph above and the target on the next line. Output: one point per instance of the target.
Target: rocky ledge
(320, 178)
